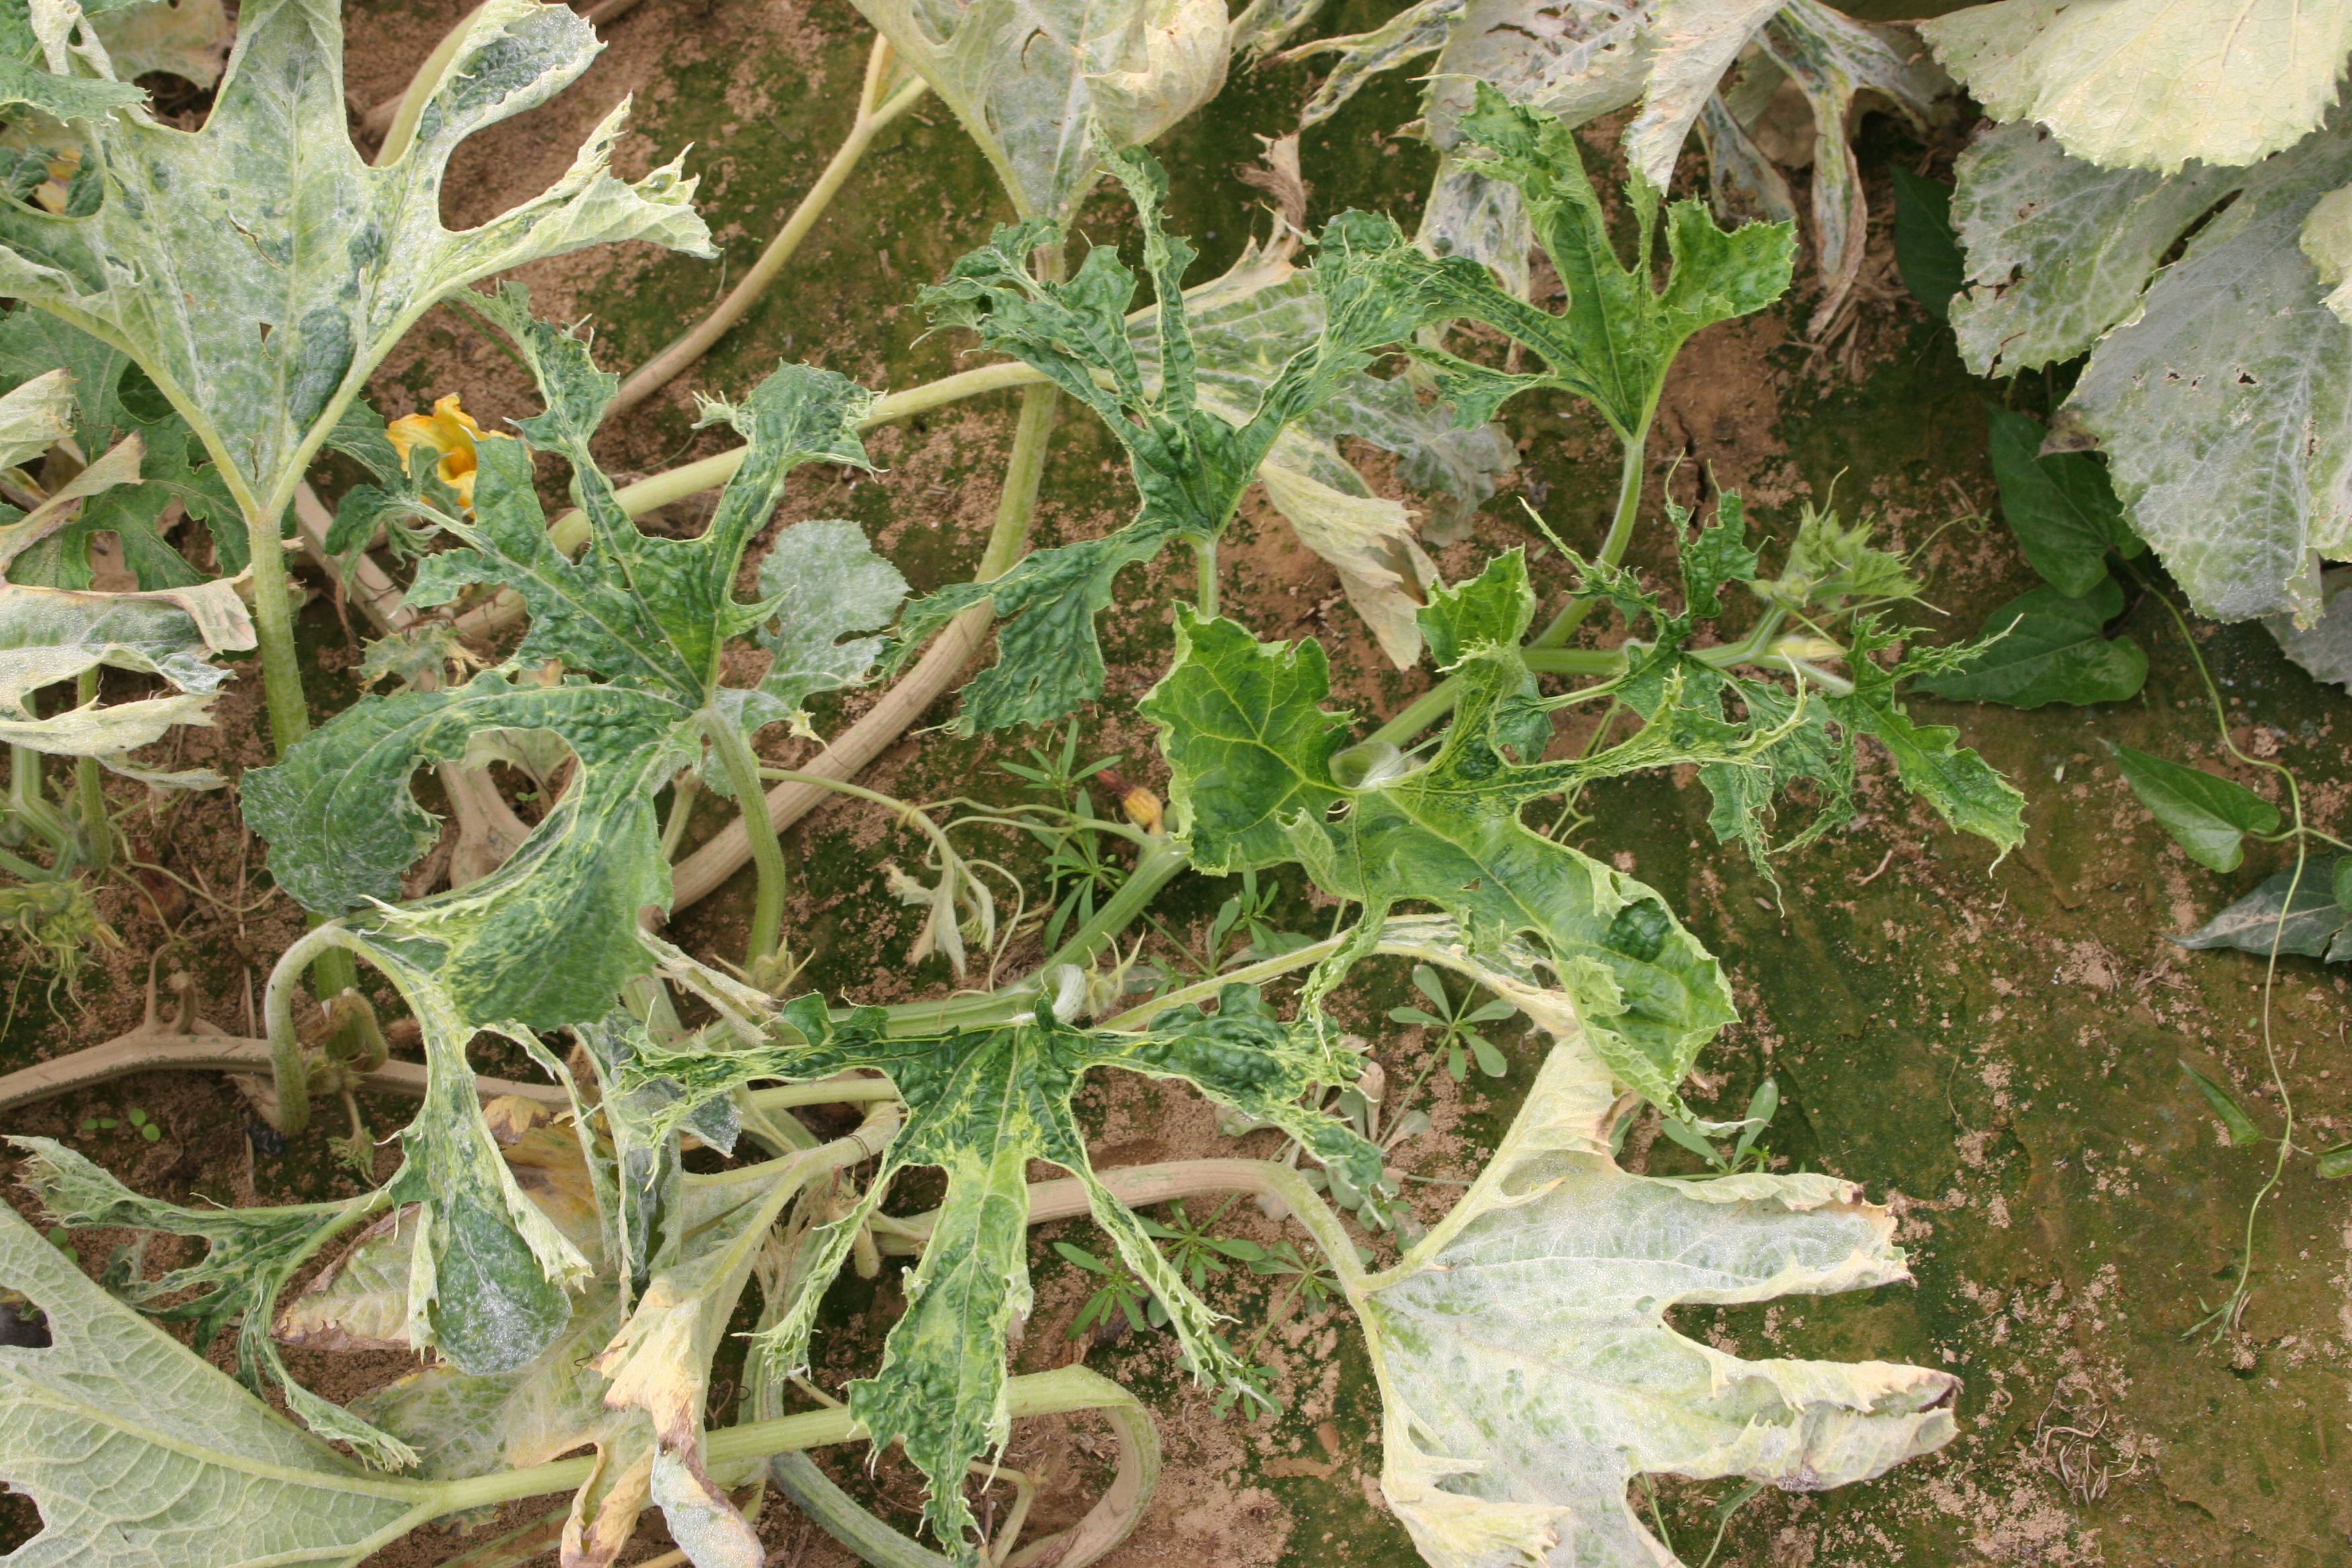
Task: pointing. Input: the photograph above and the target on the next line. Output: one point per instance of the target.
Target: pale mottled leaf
(2327, 239)
(2225, 405)
(825, 583)
(186, 38)
(36, 416)
(1367, 540)
(1036, 82)
(2326, 647)
(2152, 84)
(51, 635)
(1528, 1372)
(2059, 249)
(1696, 42)
(141, 1456)
(260, 310)
(1417, 30)
(51, 60)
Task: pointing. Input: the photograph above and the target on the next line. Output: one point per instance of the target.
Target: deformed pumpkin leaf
(36, 416)
(981, 1105)
(1527, 1372)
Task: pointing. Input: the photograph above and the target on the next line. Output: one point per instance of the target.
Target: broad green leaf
(2152, 84)
(1620, 329)
(2334, 1164)
(1528, 1372)
(824, 583)
(36, 416)
(2060, 507)
(2209, 815)
(51, 635)
(261, 309)
(1044, 85)
(981, 1106)
(2325, 648)
(1961, 785)
(1253, 755)
(2311, 925)
(1191, 463)
(2058, 250)
(2043, 646)
(2244, 1133)
(138, 1453)
(1926, 250)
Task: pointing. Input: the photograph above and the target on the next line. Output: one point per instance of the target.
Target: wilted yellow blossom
(450, 431)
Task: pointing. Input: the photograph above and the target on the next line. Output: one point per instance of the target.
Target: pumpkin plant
(547, 1247)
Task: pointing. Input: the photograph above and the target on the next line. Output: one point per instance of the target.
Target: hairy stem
(734, 749)
(1204, 562)
(875, 114)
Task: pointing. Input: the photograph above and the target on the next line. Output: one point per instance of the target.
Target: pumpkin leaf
(260, 329)
(981, 1105)
(2151, 84)
(1527, 1372)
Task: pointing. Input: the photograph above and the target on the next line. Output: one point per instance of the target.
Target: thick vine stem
(1056, 1393)
(847, 755)
(876, 113)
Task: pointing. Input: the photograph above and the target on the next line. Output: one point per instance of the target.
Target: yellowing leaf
(187, 39)
(51, 635)
(36, 416)
(2152, 84)
(1367, 540)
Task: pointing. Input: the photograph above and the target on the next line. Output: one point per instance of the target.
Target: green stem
(1055, 1393)
(734, 749)
(1154, 869)
(97, 830)
(1613, 545)
(1204, 557)
(28, 801)
(273, 629)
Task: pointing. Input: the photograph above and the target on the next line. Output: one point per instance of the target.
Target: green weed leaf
(2244, 1133)
(1926, 250)
(2043, 646)
(2061, 508)
(2312, 925)
(2209, 815)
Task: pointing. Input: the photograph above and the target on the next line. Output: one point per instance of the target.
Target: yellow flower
(450, 431)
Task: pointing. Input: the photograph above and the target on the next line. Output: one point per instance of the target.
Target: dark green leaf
(2208, 815)
(1961, 785)
(2244, 1133)
(2312, 926)
(2044, 647)
(2061, 508)
(1926, 250)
